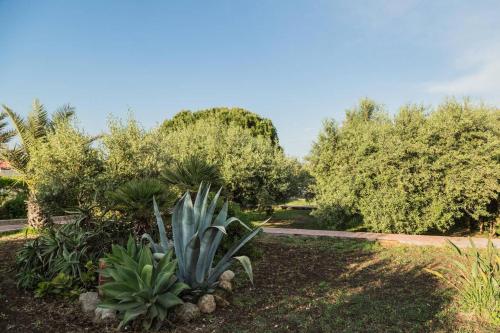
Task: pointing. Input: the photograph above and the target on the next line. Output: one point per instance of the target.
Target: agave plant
(197, 236)
(140, 288)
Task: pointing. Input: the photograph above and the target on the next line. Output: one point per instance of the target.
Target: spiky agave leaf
(197, 236)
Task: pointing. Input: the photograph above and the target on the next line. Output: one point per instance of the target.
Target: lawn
(301, 285)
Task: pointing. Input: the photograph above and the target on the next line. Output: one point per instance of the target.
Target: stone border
(418, 240)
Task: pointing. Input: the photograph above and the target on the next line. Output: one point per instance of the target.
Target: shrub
(130, 152)
(423, 170)
(140, 288)
(13, 196)
(253, 170)
(66, 249)
(65, 168)
(476, 277)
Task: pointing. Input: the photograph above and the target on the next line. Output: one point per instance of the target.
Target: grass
(17, 234)
(302, 284)
(335, 285)
(301, 202)
(281, 218)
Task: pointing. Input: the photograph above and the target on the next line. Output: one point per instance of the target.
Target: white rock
(187, 312)
(206, 303)
(89, 301)
(102, 314)
(226, 285)
(227, 276)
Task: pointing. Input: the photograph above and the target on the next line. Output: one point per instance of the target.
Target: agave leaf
(132, 314)
(192, 254)
(131, 247)
(164, 276)
(223, 263)
(179, 287)
(177, 234)
(207, 220)
(200, 204)
(113, 289)
(161, 227)
(168, 300)
(247, 265)
(147, 274)
(119, 306)
(145, 258)
(156, 248)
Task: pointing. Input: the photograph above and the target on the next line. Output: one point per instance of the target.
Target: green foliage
(140, 288)
(476, 276)
(253, 170)
(67, 249)
(420, 171)
(197, 236)
(257, 125)
(61, 284)
(134, 200)
(65, 168)
(13, 196)
(187, 174)
(130, 152)
(30, 132)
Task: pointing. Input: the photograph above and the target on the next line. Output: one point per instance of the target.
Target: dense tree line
(420, 170)
(65, 167)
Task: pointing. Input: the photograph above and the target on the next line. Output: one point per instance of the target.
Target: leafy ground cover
(301, 285)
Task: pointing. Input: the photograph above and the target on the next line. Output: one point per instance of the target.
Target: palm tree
(29, 132)
(188, 174)
(134, 200)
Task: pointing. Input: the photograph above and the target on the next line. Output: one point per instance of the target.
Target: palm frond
(5, 135)
(17, 157)
(38, 120)
(64, 113)
(189, 173)
(20, 126)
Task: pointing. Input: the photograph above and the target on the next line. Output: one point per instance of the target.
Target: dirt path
(419, 240)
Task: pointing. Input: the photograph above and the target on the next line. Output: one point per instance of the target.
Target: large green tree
(30, 132)
(253, 170)
(421, 170)
(257, 125)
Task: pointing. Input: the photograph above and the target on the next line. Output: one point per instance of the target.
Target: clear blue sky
(296, 62)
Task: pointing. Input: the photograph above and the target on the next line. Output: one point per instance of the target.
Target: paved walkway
(19, 224)
(419, 240)
(11, 227)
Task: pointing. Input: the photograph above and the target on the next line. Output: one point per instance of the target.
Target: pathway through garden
(419, 240)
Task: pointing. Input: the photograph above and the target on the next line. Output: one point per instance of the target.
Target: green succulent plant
(197, 236)
(141, 288)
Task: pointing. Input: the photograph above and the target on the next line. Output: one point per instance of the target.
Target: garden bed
(301, 285)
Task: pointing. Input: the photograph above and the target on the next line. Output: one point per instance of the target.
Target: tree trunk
(36, 216)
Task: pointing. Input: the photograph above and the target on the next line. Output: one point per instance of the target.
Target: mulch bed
(283, 274)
